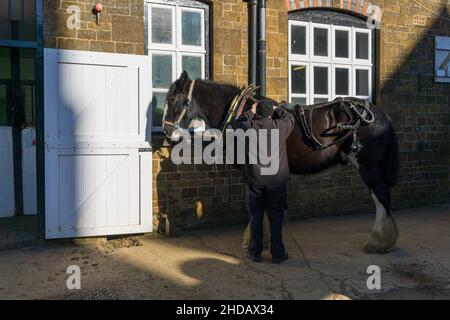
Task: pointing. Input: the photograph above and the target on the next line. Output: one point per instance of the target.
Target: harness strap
(185, 109)
(238, 104)
(191, 90)
(350, 109)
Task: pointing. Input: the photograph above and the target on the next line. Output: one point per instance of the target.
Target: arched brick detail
(363, 7)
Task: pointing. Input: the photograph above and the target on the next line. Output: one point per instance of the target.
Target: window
(17, 20)
(327, 61)
(17, 84)
(177, 41)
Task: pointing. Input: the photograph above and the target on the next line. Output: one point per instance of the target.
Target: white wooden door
(98, 161)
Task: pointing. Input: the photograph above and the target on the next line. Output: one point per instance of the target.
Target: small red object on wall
(97, 9)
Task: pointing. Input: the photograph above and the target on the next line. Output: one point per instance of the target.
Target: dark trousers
(274, 198)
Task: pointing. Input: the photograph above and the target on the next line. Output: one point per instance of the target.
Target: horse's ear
(184, 75)
(184, 78)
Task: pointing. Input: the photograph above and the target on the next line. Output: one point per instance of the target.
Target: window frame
(297, 56)
(22, 41)
(161, 52)
(312, 56)
(299, 95)
(180, 9)
(310, 61)
(158, 45)
(350, 78)
(176, 48)
(369, 41)
(191, 54)
(349, 47)
(360, 67)
(313, 95)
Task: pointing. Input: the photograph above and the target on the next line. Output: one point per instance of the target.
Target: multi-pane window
(328, 61)
(17, 20)
(176, 42)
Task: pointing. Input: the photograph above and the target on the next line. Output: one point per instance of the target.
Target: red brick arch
(362, 7)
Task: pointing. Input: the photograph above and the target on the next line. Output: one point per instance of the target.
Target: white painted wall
(29, 171)
(6, 173)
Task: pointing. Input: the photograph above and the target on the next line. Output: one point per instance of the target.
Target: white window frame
(307, 36)
(370, 81)
(333, 44)
(191, 54)
(320, 96)
(300, 95)
(174, 71)
(362, 61)
(311, 37)
(180, 45)
(310, 60)
(350, 79)
(157, 45)
(176, 49)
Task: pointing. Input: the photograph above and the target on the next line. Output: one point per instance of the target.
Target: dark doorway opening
(17, 108)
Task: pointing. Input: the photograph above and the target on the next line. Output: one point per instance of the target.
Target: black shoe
(280, 259)
(253, 258)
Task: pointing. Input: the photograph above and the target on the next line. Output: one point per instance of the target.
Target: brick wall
(203, 196)
(120, 28)
(407, 52)
(230, 42)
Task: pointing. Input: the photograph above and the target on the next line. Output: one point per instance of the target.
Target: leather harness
(347, 105)
(186, 109)
(350, 108)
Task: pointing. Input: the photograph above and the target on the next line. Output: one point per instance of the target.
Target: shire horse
(190, 104)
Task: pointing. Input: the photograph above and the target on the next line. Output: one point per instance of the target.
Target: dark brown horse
(376, 158)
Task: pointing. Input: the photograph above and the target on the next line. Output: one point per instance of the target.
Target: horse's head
(181, 111)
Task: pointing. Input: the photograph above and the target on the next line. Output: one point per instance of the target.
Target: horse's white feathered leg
(384, 232)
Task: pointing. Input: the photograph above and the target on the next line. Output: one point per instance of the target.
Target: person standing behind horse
(267, 190)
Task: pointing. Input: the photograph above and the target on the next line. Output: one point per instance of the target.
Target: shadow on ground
(327, 262)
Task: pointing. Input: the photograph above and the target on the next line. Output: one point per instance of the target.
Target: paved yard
(327, 262)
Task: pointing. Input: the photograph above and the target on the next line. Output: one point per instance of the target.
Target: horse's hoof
(381, 243)
(375, 248)
(384, 236)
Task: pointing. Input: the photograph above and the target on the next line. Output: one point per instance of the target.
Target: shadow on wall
(190, 196)
(420, 110)
(418, 106)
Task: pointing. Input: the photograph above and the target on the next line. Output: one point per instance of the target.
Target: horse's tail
(390, 167)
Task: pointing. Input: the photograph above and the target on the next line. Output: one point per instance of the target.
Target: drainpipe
(261, 62)
(252, 40)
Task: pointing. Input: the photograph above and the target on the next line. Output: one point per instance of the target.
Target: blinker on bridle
(186, 109)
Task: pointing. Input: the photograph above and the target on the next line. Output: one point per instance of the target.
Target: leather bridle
(186, 110)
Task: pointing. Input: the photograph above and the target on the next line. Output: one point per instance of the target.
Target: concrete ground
(326, 262)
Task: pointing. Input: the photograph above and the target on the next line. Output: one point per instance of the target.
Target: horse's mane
(218, 85)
